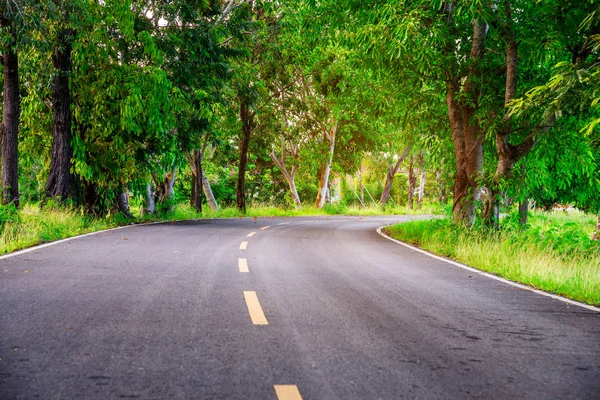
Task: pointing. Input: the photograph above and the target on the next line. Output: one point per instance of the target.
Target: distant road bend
(279, 308)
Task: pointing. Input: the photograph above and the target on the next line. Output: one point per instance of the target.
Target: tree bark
(91, 199)
(59, 177)
(123, 203)
(208, 193)
(196, 163)
(523, 209)
(412, 180)
(247, 119)
(289, 175)
(322, 194)
(421, 182)
(596, 235)
(466, 133)
(150, 206)
(11, 114)
(389, 178)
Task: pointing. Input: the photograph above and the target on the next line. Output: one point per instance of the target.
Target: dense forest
(474, 103)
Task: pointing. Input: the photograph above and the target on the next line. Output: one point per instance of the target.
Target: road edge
(487, 274)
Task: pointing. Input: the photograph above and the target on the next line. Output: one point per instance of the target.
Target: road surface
(311, 308)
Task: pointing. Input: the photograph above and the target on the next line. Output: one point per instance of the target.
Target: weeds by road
(554, 252)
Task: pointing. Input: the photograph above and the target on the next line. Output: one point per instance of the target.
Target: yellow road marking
(243, 245)
(287, 392)
(243, 265)
(283, 223)
(254, 309)
(251, 234)
(265, 227)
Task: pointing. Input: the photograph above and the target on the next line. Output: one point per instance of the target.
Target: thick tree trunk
(322, 194)
(421, 182)
(91, 199)
(412, 180)
(247, 119)
(389, 178)
(11, 113)
(466, 134)
(59, 177)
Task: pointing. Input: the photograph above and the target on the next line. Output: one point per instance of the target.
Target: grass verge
(553, 253)
(31, 226)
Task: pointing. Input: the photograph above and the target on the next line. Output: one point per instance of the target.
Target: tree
(10, 15)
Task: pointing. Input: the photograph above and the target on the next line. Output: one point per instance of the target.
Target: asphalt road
(327, 306)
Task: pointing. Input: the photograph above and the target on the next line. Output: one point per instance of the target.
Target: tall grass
(554, 252)
(32, 225)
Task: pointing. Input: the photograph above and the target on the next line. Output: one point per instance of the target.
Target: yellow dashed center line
(287, 392)
(283, 223)
(243, 245)
(265, 227)
(254, 309)
(251, 234)
(243, 265)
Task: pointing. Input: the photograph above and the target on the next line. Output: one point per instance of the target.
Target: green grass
(32, 226)
(554, 252)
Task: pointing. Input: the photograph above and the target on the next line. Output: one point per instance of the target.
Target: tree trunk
(322, 194)
(412, 180)
(387, 188)
(150, 206)
(11, 113)
(361, 187)
(289, 175)
(466, 133)
(208, 193)
(91, 199)
(523, 208)
(596, 235)
(421, 182)
(169, 191)
(196, 199)
(389, 178)
(247, 119)
(59, 177)
(123, 204)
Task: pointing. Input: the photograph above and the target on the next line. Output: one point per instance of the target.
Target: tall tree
(9, 14)
(59, 177)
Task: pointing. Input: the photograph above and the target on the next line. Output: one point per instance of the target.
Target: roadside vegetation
(554, 252)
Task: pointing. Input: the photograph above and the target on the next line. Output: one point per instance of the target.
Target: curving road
(327, 307)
